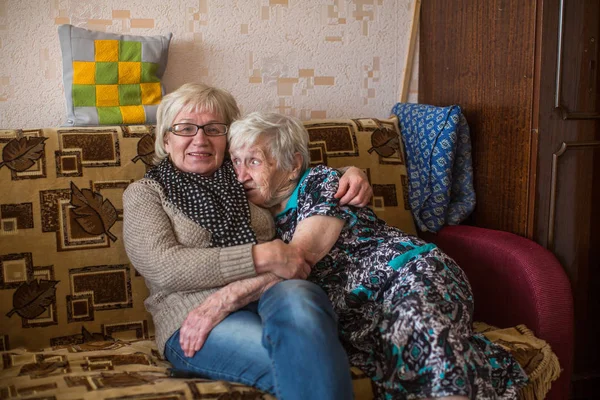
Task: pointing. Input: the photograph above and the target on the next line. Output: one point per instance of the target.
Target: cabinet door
(526, 75)
(568, 173)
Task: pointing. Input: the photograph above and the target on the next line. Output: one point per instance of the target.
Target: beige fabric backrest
(64, 275)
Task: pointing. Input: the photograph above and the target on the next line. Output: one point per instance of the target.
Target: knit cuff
(237, 263)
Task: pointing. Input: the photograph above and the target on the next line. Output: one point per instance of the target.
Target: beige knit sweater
(170, 251)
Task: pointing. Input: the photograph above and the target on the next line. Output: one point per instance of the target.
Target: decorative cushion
(112, 79)
(375, 146)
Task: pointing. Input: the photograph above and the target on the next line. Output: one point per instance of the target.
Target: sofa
(73, 323)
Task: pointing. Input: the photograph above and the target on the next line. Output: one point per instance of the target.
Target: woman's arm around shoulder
(354, 188)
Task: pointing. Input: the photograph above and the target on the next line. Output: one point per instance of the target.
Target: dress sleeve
(155, 250)
(316, 196)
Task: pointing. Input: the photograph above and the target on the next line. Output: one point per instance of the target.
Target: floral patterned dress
(405, 308)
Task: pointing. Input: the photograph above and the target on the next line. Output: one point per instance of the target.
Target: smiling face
(265, 184)
(200, 154)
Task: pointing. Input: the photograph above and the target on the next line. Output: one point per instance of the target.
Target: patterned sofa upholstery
(73, 323)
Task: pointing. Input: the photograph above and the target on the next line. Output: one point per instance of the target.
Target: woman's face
(256, 170)
(200, 154)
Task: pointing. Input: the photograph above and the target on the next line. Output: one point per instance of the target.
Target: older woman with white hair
(227, 302)
(404, 307)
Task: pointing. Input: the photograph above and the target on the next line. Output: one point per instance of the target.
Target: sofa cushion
(110, 78)
(375, 146)
(133, 369)
(120, 369)
(106, 370)
(63, 267)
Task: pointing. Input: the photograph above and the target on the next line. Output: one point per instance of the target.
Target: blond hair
(191, 97)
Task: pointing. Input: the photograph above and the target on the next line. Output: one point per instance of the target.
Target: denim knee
(301, 301)
(300, 335)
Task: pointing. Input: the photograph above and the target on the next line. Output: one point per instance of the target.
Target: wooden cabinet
(527, 78)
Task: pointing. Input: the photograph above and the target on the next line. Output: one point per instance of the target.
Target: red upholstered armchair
(516, 281)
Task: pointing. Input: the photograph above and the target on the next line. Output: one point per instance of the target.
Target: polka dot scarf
(217, 203)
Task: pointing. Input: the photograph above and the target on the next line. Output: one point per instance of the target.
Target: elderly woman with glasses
(227, 301)
(404, 307)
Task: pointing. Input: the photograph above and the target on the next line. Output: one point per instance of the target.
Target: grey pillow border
(67, 31)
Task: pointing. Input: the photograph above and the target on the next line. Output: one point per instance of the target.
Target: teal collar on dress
(293, 200)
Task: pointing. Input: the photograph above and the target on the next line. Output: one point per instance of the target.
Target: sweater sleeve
(153, 247)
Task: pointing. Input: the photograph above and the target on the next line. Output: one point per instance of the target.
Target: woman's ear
(297, 167)
(166, 142)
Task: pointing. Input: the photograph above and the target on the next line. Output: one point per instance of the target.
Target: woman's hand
(284, 260)
(200, 321)
(354, 188)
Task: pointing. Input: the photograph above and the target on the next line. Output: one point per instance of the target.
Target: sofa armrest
(516, 281)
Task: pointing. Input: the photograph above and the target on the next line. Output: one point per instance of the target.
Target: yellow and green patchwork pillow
(112, 79)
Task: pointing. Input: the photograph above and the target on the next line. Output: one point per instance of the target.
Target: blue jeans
(286, 344)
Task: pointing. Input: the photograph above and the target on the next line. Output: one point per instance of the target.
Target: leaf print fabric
(145, 150)
(32, 298)
(385, 142)
(94, 214)
(20, 154)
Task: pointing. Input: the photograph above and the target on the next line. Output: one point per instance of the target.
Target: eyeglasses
(213, 129)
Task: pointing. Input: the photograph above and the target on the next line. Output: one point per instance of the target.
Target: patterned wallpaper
(307, 58)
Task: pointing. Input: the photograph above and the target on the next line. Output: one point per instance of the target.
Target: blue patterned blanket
(440, 170)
